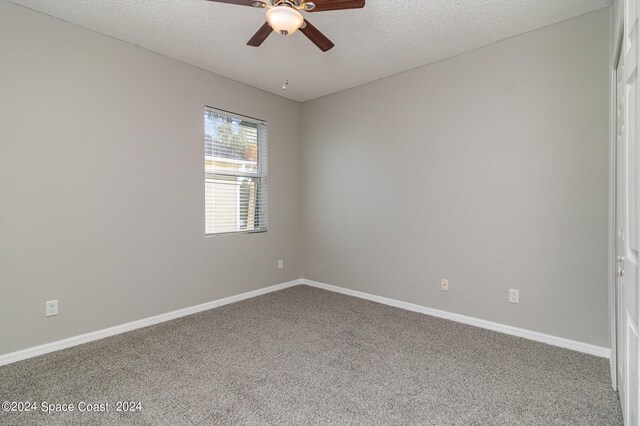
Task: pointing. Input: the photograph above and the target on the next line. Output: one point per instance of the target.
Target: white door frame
(624, 294)
(613, 264)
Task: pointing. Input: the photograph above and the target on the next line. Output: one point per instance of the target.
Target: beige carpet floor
(306, 356)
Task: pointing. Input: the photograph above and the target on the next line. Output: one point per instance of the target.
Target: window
(235, 166)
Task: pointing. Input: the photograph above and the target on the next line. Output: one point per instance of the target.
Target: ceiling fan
(284, 17)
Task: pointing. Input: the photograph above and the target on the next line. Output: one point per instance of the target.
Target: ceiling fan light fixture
(284, 20)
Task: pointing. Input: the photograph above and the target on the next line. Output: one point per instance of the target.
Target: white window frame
(261, 173)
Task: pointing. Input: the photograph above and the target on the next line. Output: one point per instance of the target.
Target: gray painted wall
(101, 183)
(489, 169)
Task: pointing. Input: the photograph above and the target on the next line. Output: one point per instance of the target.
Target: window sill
(224, 234)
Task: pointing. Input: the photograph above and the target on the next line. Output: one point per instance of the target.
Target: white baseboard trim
(145, 322)
(501, 328)
(134, 325)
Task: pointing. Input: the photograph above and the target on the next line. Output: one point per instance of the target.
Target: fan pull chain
(285, 61)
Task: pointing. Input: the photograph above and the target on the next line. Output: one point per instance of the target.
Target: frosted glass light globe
(284, 19)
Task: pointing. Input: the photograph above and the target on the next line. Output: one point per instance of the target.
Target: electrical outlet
(50, 308)
(514, 296)
(444, 284)
(280, 263)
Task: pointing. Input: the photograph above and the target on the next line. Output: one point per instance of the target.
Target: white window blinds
(235, 166)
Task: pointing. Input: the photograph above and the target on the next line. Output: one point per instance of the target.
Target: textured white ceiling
(384, 38)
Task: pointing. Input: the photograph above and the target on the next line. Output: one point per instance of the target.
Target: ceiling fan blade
(326, 5)
(316, 36)
(236, 2)
(259, 37)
